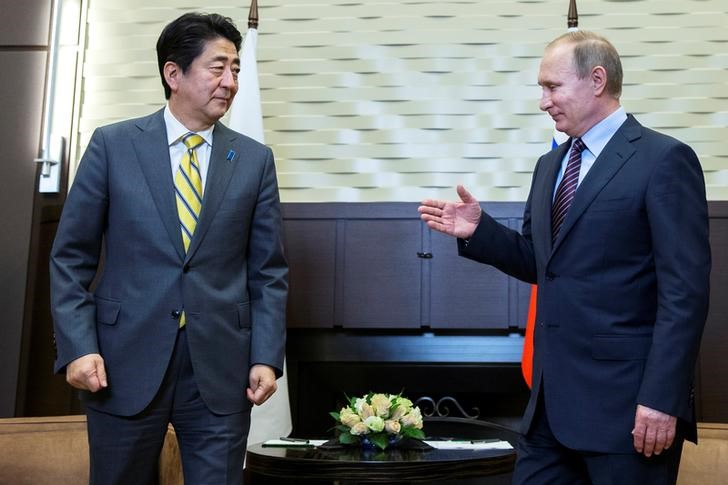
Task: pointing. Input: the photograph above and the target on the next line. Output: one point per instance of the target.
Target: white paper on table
(470, 445)
(293, 444)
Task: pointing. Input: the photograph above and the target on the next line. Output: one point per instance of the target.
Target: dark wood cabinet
(311, 251)
(381, 273)
(377, 266)
(465, 294)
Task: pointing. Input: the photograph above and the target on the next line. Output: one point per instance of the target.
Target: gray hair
(592, 50)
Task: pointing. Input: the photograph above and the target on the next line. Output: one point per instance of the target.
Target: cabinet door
(310, 247)
(381, 274)
(465, 294)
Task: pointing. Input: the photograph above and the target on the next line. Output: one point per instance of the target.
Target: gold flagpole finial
(572, 17)
(253, 15)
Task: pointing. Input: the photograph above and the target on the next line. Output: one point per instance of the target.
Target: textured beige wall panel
(399, 101)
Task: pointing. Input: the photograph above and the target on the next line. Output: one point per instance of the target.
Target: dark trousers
(541, 459)
(125, 450)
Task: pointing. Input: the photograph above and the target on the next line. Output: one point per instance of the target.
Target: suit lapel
(153, 155)
(223, 160)
(617, 151)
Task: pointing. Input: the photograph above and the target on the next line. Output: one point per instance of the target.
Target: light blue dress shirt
(595, 140)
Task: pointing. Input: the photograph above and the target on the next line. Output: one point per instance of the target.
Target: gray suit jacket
(232, 283)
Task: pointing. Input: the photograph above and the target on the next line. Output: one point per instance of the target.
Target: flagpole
(253, 15)
(572, 18)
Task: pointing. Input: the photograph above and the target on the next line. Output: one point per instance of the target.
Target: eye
(217, 69)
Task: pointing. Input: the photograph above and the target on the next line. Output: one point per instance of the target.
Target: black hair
(183, 39)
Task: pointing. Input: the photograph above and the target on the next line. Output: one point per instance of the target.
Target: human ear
(599, 80)
(172, 73)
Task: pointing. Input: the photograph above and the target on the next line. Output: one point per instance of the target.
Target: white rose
(392, 427)
(413, 419)
(359, 403)
(359, 429)
(381, 404)
(398, 413)
(404, 402)
(366, 411)
(404, 406)
(374, 423)
(348, 417)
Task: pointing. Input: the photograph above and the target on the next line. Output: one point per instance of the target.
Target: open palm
(458, 218)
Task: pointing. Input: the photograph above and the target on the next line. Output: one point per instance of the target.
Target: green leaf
(380, 440)
(335, 415)
(411, 432)
(343, 428)
(348, 439)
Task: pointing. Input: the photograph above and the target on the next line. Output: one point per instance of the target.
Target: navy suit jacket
(232, 282)
(623, 291)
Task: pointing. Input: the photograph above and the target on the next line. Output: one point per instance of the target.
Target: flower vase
(366, 444)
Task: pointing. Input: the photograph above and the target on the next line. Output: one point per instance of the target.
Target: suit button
(176, 314)
(186, 268)
(550, 276)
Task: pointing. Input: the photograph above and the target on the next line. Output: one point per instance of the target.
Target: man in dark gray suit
(615, 233)
(189, 311)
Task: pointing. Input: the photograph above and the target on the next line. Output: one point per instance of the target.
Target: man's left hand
(262, 381)
(654, 431)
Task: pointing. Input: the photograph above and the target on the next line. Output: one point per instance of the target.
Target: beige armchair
(706, 463)
(54, 450)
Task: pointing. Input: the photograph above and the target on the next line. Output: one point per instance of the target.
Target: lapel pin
(230, 155)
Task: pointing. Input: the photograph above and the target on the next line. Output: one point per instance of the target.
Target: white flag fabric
(272, 419)
(246, 116)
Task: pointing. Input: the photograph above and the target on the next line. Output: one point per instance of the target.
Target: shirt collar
(176, 130)
(599, 135)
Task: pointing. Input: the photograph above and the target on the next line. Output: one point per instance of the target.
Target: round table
(273, 465)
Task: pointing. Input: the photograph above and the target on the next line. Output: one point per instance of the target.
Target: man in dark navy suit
(615, 233)
(187, 322)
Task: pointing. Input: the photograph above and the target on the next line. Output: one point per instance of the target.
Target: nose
(545, 102)
(228, 79)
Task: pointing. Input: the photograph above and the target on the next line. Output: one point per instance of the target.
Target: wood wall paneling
(25, 23)
(386, 269)
(21, 82)
(382, 274)
(311, 252)
(465, 294)
(712, 388)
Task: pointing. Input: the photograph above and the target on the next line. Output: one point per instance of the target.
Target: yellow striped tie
(188, 187)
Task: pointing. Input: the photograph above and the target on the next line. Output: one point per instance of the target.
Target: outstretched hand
(457, 219)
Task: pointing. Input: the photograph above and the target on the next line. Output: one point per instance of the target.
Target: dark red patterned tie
(567, 188)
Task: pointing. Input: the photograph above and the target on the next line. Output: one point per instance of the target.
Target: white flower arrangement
(382, 419)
